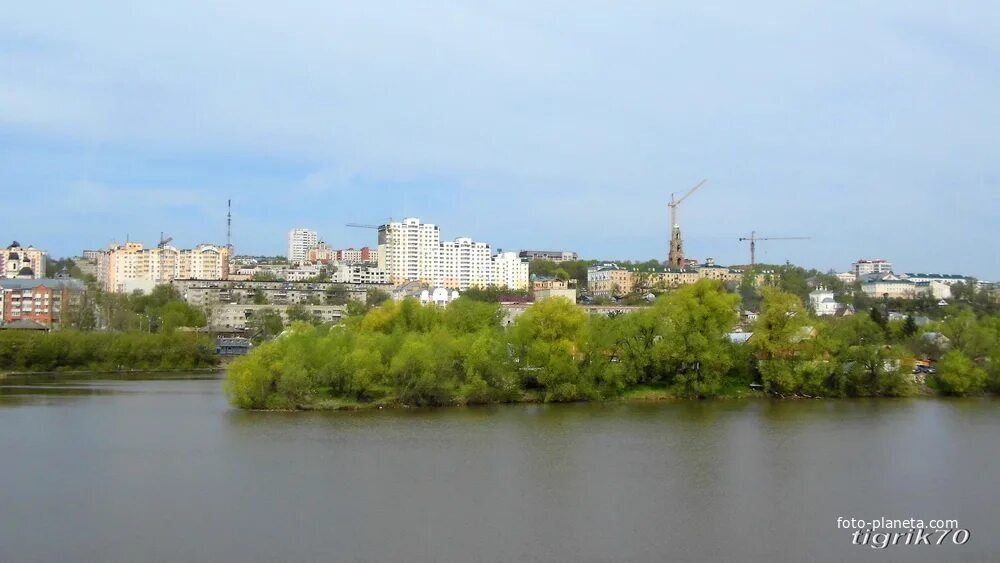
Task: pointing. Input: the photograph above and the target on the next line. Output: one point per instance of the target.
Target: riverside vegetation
(403, 353)
(103, 351)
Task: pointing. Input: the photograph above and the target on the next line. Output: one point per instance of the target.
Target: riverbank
(95, 373)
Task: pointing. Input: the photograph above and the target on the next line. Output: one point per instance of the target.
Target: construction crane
(753, 238)
(363, 226)
(675, 258)
(164, 241)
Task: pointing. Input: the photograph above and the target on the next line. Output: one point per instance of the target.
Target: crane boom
(675, 257)
(753, 238)
(360, 226)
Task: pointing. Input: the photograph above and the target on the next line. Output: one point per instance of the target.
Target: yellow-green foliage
(406, 353)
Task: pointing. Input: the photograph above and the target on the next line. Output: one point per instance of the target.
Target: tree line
(468, 353)
(103, 351)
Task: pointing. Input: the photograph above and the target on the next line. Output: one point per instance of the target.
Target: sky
(870, 127)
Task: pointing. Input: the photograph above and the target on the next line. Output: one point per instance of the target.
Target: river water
(165, 470)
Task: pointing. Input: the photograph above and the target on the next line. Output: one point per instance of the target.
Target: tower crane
(675, 257)
(360, 226)
(164, 241)
(753, 238)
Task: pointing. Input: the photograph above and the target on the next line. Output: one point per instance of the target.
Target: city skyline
(867, 128)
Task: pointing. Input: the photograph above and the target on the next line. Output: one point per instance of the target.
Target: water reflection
(169, 467)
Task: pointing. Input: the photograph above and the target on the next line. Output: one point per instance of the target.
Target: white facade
(299, 242)
(23, 262)
(360, 273)
(463, 263)
(847, 277)
(407, 250)
(510, 271)
(823, 303)
(877, 266)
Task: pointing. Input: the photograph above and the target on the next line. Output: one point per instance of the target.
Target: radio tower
(229, 224)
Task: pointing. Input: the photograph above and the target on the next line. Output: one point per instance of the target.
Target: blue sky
(869, 126)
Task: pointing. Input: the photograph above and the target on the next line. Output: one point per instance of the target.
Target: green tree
(694, 321)
(958, 375)
(779, 340)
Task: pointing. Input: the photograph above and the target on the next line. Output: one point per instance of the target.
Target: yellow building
(128, 267)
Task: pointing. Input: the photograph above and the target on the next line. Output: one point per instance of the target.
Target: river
(139, 470)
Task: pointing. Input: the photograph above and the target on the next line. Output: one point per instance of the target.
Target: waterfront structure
(300, 240)
(510, 270)
(22, 262)
(128, 267)
(550, 255)
(43, 301)
(877, 266)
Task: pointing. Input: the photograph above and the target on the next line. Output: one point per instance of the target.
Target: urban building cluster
(124, 268)
(612, 280)
(877, 279)
(411, 250)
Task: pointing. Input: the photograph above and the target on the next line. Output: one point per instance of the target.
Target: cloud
(557, 123)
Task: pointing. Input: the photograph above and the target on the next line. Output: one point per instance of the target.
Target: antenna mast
(229, 224)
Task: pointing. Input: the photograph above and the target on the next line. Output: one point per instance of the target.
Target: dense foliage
(103, 351)
(405, 353)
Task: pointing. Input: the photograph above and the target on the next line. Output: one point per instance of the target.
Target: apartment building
(40, 300)
(463, 263)
(129, 267)
(510, 271)
(877, 266)
(300, 240)
(407, 250)
(550, 255)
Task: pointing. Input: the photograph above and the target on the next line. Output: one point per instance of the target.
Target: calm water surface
(164, 470)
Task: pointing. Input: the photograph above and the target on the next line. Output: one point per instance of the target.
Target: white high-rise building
(510, 271)
(299, 242)
(408, 249)
(463, 263)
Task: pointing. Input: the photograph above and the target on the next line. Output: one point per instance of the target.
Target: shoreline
(654, 396)
(81, 373)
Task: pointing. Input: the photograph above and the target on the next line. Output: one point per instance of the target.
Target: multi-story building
(355, 255)
(44, 301)
(407, 250)
(510, 271)
(320, 253)
(411, 251)
(463, 263)
(946, 279)
(550, 255)
(360, 274)
(129, 267)
(300, 240)
(23, 262)
(234, 317)
(876, 266)
(609, 280)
